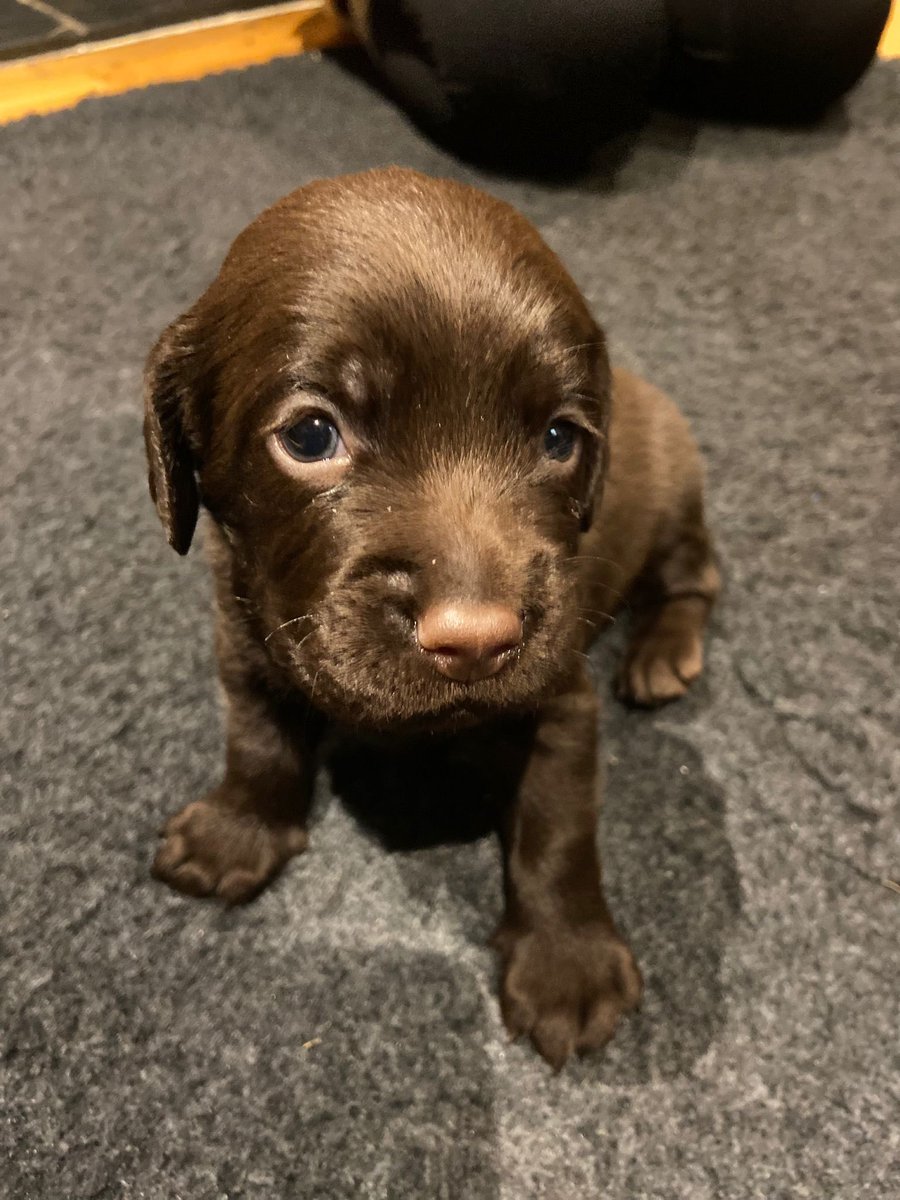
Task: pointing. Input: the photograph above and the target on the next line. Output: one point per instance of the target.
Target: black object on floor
(524, 78)
(340, 1037)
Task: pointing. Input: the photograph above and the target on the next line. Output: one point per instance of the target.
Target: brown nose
(468, 641)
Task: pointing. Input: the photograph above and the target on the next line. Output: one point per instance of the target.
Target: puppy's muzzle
(468, 641)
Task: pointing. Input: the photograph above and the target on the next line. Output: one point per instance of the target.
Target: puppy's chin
(403, 697)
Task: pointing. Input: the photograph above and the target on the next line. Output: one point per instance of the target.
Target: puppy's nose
(468, 641)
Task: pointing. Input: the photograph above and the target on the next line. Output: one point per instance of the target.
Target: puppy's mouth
(460, 706)
(402, 687)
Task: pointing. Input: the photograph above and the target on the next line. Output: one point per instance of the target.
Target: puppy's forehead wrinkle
(421, 351)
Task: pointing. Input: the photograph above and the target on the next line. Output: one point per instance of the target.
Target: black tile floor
(37, 26)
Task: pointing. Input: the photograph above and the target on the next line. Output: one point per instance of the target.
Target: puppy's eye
(561, 440)
(313, 439)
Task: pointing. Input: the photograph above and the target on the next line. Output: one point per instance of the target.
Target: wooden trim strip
(49, 82)
(890, 38)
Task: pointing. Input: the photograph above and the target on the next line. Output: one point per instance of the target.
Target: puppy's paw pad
(210, 848)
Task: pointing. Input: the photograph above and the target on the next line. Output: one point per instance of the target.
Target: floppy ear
(169, 403)
(594, 475)
(593, 490)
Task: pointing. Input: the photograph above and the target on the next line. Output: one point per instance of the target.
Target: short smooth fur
(441, 577)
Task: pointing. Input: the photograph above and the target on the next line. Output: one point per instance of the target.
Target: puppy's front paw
(213, 848)
(660, 670)
(566, 988)
(661, 664)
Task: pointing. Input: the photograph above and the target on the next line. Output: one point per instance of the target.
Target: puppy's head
(393, 402)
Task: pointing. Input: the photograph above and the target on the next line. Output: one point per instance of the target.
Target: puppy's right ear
(170, 401)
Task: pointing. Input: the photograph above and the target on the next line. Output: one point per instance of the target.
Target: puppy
(427, 492)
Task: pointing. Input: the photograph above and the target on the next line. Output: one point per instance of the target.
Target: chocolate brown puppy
(427, 491)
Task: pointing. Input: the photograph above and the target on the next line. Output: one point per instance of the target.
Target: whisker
(596, 344)
(284, 624)
(311, 698)
(593, 558)
(598, 612)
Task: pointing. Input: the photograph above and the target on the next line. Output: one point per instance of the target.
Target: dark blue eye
(561, 440)
(312, 439)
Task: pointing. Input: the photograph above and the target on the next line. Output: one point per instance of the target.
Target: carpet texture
(746, 831)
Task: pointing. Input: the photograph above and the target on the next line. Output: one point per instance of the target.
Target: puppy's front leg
(240, 835)
(567, 975)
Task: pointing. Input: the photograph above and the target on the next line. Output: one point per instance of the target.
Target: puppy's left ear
(170, 385)
(594, 470)
(593, 486)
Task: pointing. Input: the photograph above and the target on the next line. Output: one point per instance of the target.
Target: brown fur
(443, 336)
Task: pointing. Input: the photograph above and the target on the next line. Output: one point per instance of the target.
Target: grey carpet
(157, 1047)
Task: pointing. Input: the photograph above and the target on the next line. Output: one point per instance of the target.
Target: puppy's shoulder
(647, 426)
(654, 462)
(640, 406)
